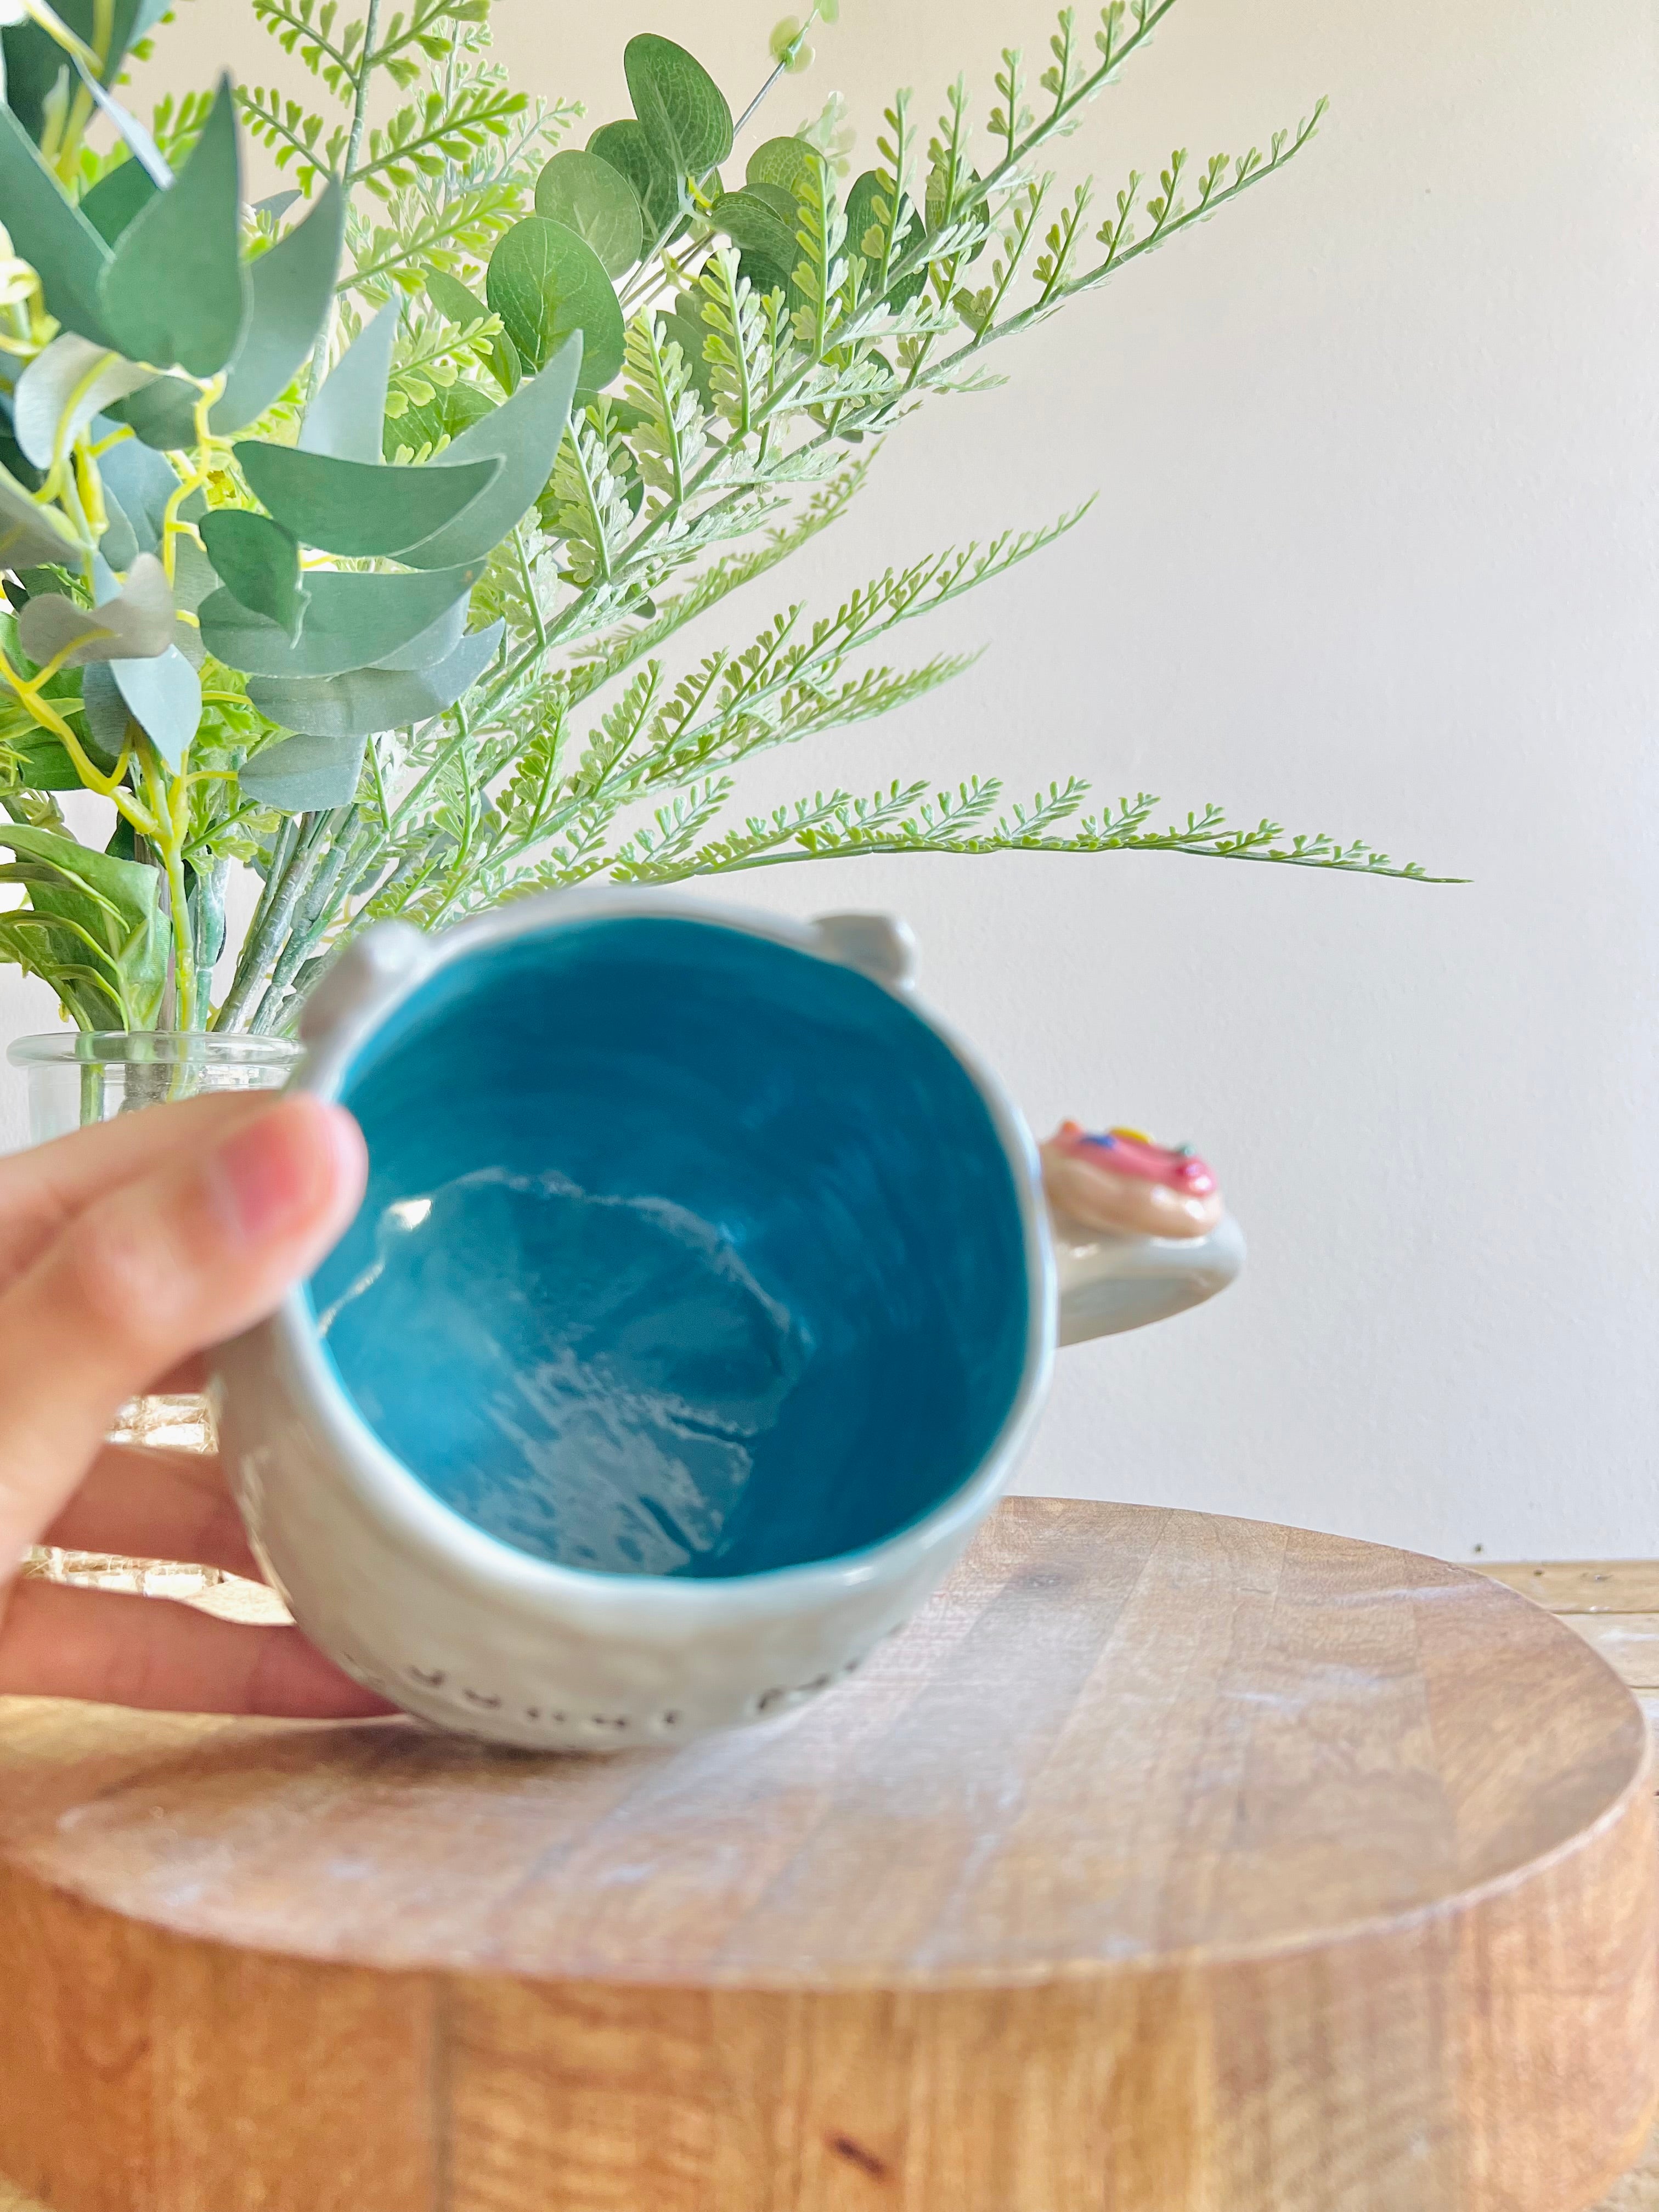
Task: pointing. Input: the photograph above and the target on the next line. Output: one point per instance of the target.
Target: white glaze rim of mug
(398, 1496)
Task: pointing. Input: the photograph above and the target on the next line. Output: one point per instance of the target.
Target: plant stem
(266, 934)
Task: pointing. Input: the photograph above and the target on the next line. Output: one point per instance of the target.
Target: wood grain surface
(1166, 1864)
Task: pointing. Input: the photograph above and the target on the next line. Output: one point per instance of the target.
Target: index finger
(42, 1190)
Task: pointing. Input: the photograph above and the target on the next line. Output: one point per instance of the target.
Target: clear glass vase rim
(130, 1047)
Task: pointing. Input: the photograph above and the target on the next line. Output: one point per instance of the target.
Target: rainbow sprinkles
(1122, 1181)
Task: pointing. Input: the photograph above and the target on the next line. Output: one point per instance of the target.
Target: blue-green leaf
(779, 162)
(659, 189)
(352, 622)
(142, 483)
(355, 510)
(66, 384)
(524, 435)
(51, 236)
(345, 419)
(137, 140)
(175, 288)
(162, 414)
(452, 408)
(32, 537)
(371, 699)
(292, 285)
(767, 241)
(106, 714)
(457, 304)
(305, 774)
(120, 543)
(114, 200)
(587, 195)
(133, 621)
(544, 283)
(259, 562)
(164, 696)
(34, 60)
(681, 108)
(432, 645)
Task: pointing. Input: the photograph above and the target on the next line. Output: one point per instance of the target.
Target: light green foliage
(385, 584)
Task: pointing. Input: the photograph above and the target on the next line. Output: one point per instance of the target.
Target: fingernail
(282, 1172)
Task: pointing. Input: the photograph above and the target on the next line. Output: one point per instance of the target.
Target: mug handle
(1109, 1281)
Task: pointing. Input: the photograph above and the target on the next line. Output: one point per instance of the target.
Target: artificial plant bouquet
(349, 536)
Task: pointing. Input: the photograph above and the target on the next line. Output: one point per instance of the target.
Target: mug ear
(1110, 1283)
(373, 969)
(879, 945)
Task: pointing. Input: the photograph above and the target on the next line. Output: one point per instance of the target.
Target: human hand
(125, 1251)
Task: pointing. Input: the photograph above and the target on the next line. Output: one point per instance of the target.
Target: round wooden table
(1166, 1864)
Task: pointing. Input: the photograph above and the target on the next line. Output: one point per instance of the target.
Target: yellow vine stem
(169, 797)
(172, 528)
(48, 719)
(62, 148)
(62, 457)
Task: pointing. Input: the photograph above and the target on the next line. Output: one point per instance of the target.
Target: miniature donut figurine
(1124, 1182)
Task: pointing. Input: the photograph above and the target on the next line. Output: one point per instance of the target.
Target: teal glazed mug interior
(701, 1299)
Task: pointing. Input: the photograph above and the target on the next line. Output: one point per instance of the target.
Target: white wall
(1375, 553)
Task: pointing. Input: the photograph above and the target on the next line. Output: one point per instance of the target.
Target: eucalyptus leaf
(291, 285)
(275, 205)
(860, 217)
(142, 483)
(751, 220)
(137, 622)
(120, 543)
(523, 435)
(545, 282)
(162, 414)
(54, 238)
(164, 696)
(352, 622)
(452, 408)
(194, 580)
(66, 384)
(193, 574)
(432, 645)
(779, 162)
(345, 418)
(680, 107)
(34, 61)
(458, 304)
(138, 141)
(175, 288)
(305, 774)
(371, 699)
(587, 195)
(31, 535)
(455, 301)
(114, 200)
(658, 188)
(357, 510)
(105, 713)
(689, 332)
(259, 562)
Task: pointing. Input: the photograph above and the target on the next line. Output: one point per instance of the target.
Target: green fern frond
(672, 433)
(425, 138)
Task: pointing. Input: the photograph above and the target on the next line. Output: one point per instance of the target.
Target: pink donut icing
(1121, 1180)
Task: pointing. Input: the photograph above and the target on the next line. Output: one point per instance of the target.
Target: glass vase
(77, 1077)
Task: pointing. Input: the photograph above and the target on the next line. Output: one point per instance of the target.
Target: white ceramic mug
(701, 1303)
